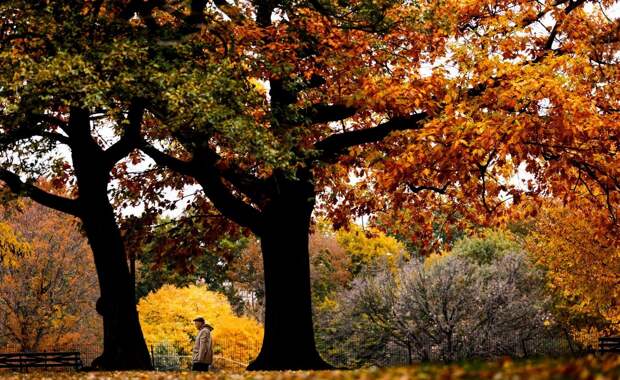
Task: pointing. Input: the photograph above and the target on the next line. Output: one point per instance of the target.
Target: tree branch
(417, 189)
(229, 10)
(30, 130)
(248, 184)
(203, 170)
(245, 182)
(228, 204)
(166, 160)
(324, 113)
(17, 186)
(336, 144)
(57, 137)
(131, 139)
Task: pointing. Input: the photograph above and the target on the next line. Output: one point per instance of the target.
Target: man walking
(203, 348)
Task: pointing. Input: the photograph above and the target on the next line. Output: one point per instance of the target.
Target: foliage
(331, 264)
(369, 249)
(585, 368)
(48, 284)
(10, 247)
(452, 306)
(161, 261)
(166, 317)
(455, 97)
(486, 247)
(582, 264)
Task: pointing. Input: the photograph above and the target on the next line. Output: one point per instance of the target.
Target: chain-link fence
(227, 355)
(355, 353)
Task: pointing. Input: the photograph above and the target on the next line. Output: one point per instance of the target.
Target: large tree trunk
(123, 343)
(124, 347)
(288, 343)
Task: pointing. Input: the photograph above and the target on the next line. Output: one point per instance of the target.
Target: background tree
(448, 307)
(370, 248)
(247, 276)
(166, 316)
(331, 266)
(48, 284)
(336, 257)
(487, 245)
(582, 264)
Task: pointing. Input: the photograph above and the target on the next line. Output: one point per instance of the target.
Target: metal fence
(88, 352)
(354, 353)
(227, 355)
(350, 353)
(165, 356)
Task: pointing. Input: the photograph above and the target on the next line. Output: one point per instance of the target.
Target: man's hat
(201, 319)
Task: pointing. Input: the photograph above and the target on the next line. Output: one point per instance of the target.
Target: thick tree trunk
(123, 343)
(288, 343)
(124, 347)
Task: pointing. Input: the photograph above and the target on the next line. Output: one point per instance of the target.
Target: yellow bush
(370, 247)
(166, 317)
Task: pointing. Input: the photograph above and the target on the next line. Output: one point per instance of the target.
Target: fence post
(409, 353)
(568, 339)
(152, 357)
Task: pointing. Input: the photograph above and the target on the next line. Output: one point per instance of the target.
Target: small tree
(446, 308)
(48, 284)
(573, 250)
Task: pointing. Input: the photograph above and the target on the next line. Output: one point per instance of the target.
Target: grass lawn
(586, 368)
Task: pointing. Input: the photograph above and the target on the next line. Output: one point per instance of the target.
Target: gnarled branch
(337, 144)
(203, 170)
(19, 187)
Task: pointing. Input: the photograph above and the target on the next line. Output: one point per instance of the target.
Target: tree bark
(288, 342)
(123, 343)
(124, 347)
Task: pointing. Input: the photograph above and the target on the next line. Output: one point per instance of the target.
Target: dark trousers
(200, 367)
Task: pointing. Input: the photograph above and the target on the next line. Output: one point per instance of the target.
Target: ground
(586, 368)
